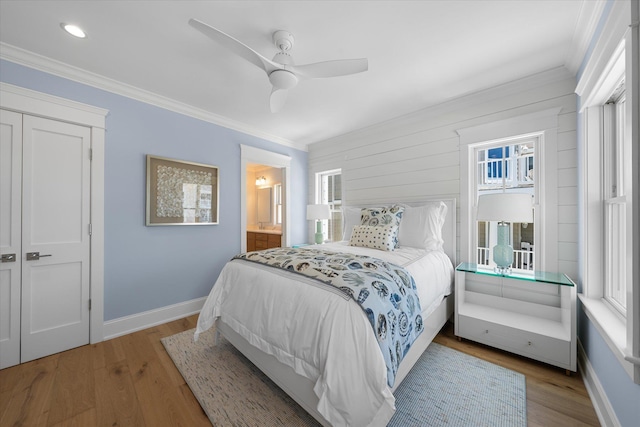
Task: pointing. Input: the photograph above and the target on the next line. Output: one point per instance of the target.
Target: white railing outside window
(522, 258)
(484, 256)
(513, 171)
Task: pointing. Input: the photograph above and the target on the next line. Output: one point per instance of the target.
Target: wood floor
(131, 381)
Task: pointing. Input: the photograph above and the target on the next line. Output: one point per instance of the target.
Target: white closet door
(10, 238)
(55, 215)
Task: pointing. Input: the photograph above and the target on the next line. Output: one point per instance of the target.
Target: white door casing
(10, 236)
(248, 155)
(55, 223)
(20, 100)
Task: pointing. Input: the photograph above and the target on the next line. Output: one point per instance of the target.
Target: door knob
(8, 258)
(34, 256)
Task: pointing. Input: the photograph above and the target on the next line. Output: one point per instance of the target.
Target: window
(506, 166)
(277, 202)
(609, 276)
(515, 154)
(329, 191)
(616, 146)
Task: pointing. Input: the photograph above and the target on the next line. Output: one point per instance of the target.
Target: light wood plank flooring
(131, 381)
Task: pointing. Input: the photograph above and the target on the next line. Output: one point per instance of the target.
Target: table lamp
(318, 212)
(504, 208)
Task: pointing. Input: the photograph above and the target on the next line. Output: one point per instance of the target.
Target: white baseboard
(136, 322)
(601, 404)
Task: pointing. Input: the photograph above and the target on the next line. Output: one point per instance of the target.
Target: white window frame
(538, 171)
(614, 55)
(322, 198)
(544, 124)
(277, 204)
(615, 168)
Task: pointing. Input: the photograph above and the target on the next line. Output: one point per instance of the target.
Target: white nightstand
(532, 315)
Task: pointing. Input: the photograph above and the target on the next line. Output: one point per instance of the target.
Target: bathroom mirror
(264, 205)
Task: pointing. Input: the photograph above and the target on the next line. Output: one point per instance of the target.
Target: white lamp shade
(318, 212)
(507, 207)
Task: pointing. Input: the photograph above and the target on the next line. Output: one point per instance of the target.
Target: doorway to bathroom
(264, 200)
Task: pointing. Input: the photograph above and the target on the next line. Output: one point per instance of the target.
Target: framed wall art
(181, 193)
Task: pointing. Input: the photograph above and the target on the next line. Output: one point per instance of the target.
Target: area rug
(444, 388)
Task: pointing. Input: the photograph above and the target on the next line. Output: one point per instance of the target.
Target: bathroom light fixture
(74, 30)
(261, 180)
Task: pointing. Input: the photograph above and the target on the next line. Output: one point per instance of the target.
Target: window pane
(614, 145)
(506, 167)
(615, 255)
(330, 192)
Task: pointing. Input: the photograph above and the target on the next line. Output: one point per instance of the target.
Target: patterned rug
(444, 388)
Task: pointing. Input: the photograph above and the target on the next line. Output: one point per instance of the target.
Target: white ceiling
(420, 53)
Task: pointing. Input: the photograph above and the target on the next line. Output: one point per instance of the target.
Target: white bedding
(324, 336)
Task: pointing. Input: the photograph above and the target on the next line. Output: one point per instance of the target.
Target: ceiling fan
(282, 72)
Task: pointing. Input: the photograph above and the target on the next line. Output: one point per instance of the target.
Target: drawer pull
(528, 342)
(486, 331)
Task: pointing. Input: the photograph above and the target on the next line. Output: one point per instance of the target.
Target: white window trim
(544, 123)
(606, 66)
(538, 173)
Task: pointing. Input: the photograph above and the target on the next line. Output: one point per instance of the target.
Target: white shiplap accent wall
(417, 156)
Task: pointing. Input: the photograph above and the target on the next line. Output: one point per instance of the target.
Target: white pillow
(350, 218)
(375, 237)
(421, 226)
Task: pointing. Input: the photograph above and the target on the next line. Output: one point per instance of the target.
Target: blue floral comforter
(386, 292)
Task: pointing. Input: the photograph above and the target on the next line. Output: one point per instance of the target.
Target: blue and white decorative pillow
(375, 237)
(383, 216)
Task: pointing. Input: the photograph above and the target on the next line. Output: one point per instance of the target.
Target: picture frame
(181, 192)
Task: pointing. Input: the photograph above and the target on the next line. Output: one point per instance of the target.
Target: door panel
(55, 215)
(10, 235)
(48, 282)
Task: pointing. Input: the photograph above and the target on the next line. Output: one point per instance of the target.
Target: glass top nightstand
(534, 276)
(528, 313)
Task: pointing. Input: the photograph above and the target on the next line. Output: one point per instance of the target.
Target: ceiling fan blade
(234, 45)
(277, 99)
(340, 67)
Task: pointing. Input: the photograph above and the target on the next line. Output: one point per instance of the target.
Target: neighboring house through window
(506, 166)
(519, 155)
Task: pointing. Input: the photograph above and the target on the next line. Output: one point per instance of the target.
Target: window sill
(612, 329)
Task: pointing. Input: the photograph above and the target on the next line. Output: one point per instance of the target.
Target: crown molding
(607, 48)
(586, 24)
(51, 66)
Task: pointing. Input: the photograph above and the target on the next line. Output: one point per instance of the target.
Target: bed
(319, 346)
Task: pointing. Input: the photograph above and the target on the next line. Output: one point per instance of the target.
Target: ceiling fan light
(74, 30)
(283, 79)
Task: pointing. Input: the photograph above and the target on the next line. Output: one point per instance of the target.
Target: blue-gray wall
(152, 267)
(621, 391)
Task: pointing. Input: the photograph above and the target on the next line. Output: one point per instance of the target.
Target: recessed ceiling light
(74, 30)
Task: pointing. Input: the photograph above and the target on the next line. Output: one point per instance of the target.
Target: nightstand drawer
(528, 344)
